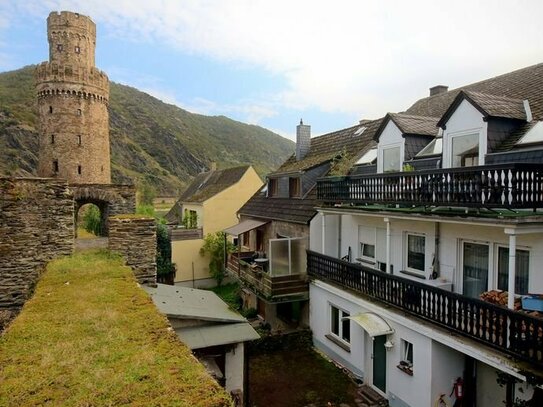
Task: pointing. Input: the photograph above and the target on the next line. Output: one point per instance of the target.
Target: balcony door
(475, 265)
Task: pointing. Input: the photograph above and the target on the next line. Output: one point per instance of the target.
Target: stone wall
(36, 225)
(134, 237)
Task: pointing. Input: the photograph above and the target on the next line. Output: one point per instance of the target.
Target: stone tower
(73, 104)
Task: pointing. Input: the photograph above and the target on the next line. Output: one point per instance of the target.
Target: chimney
(438, 90)
(213, 166)
(303, 140)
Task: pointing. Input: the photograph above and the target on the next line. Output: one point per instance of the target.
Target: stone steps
(367, 397)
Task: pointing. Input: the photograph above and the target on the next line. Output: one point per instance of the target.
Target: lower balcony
(267, 285)
(511, 332)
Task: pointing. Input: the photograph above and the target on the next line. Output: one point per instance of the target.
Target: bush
(92, 221)
(163, 251)
(216, 245)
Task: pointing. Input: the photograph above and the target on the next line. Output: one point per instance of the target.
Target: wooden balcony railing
(512, 186)
(263, 284)
(514, 333)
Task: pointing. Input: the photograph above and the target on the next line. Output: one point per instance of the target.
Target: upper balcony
(514, 333)
(512, 186)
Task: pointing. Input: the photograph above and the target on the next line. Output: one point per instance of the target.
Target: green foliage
(144, 209)
(408, 168)
(160, 144)
(190, 219)
(229, 293)
(249, 313)
(163, 251)
(340, 164)
(146, 194)
(92, 221)
(216, 246)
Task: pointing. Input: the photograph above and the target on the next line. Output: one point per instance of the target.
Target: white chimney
(303, 140)
(528, 111)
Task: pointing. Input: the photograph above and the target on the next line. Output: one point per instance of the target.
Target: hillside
(151, 142)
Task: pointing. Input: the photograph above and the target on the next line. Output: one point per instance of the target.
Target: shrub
(92, 221)
(216, 246)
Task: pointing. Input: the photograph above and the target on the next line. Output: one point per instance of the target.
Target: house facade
(273, 230)
(412, 257)
(207, 206)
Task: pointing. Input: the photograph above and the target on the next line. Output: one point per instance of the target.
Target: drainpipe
(512, 268)
(388, 269)
(437, 236)
(323, 233)
(339, 237)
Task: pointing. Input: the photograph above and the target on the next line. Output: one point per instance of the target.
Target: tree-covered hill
(151, 142)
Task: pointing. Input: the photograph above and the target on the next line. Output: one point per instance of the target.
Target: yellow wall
(217, 213)
(185, 253)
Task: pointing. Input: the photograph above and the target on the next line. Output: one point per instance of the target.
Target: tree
(92, 221)
(216, 246)
(163, 250)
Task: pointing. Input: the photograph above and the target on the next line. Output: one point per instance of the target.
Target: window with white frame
(465, 150)
(406, 362)
(391, 159)
(366, 248)
(340, 326)
(415, 253)
(522, 263)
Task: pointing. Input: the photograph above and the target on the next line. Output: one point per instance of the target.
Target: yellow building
(208, 205)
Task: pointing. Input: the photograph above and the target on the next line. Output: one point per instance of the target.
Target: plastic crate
(532, 303)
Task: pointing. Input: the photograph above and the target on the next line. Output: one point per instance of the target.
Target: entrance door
(475, 269)
(379, 363)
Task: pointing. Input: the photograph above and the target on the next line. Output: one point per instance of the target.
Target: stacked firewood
(499, 298)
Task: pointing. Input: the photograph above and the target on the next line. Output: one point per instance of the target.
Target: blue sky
(271, 63)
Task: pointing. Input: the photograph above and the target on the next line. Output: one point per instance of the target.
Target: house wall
(390, 137)
(234, 371)
(466, 119)
(331, 234)
(447, 263)
(443, 383)
(215, 214)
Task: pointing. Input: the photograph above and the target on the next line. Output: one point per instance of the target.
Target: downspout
(339, 237)
(323, 237)
(435, 261)
(388, 254)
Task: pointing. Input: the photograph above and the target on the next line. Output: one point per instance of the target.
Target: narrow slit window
(79, 112)
(52, 139)
(50, 109)
(79, 169)
(55, 166)
(77, 50)
(59, 47)
(79, 140)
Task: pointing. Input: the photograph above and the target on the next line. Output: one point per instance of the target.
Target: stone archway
(102, 206)
(110, 199)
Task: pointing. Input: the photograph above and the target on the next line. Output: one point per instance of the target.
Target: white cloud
(352, 56)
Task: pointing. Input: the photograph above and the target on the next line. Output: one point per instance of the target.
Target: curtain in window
(475, 269)
(521, 270)
(415, 252)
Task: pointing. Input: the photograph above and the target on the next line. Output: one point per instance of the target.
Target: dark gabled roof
(208, 184)
(410, 125)
(283, 209)
(354, 140)
(488, 105)
(526, 83)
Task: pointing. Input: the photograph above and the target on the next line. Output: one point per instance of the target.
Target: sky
(273, 62)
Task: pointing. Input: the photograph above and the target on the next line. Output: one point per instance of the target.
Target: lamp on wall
(389, 344)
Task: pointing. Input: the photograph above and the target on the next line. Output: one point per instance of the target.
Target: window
(52, 139)
(465, 150)
(391, 159)
(79, 169)
(50, 109)
(406, 362)
(522, 260)
(475, 267)
(79, 112)
(77, 50)
(55, 166)
(367, 252)
(294, 187)
(59, 47)
(368, 158)
(340, 326)
(416, 252)
(78, 140)
(272, 187)
(433, 148)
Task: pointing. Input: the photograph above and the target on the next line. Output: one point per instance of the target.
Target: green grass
(229, 293)
(90, 336)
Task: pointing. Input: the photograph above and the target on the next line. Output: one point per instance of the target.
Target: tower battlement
(57, 21)
(51, 75)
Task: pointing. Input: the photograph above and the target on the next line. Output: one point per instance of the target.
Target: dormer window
(392, 159)
(272, 187)
(465, 150)
(294, 187)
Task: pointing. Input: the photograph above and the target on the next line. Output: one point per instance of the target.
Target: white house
(405, 249)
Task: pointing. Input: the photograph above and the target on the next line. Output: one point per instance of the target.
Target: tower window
(59, 47)
(52, 139)
(79, 140)
(50, 109)
(79, 112)
(77, 50)
(55, 166)
(79, 169)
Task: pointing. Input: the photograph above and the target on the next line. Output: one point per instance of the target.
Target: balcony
(271, 287)
(511, 332)
(513, 186)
